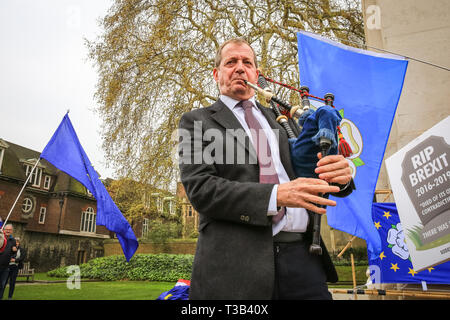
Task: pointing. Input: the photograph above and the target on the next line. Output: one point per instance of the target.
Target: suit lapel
(225, 117)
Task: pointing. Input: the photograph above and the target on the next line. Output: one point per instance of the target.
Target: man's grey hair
(233, 40)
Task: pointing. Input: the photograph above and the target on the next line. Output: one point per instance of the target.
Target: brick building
(55, 215)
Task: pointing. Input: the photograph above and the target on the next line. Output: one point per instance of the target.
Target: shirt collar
(231, 103)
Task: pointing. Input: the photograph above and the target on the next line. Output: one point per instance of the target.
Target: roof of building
(13, 167)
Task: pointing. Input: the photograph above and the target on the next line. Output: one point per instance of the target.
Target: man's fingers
(320, 200)
(331, 163)
(329, 159)
(309, 181)
(311, 207)
(340, 174)
(313, 186)
(334, 168)
(305, 193)
(341, 179)
(317, 189)
(312, 203)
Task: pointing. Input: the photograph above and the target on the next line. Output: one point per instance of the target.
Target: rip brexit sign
(426, 178)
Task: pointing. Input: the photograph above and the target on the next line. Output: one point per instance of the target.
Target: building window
(27, 205)
(35, 178)
(159, 204)
(47, 181)
(189, 210)
(172, 207)
(145, 227)
(88, 220)
(42, 213)
(147, 200)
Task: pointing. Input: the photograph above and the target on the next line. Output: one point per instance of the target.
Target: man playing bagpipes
(253, 240)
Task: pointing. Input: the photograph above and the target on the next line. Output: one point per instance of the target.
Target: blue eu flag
(393, 264)
(367, 87)
(64, 151)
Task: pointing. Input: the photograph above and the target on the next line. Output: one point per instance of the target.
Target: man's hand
(305, 193)
(333, 168)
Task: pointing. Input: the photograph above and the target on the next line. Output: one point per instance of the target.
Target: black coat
(234, 255)
(21, 259)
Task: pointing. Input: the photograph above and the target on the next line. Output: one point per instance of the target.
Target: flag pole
(20, 193)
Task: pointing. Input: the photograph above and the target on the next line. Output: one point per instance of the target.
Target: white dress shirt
(295, 219)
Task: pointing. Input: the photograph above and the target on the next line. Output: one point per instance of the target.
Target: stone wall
(47, 251)
(112, 247)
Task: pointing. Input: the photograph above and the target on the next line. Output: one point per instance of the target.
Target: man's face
(237, 64)
(8, 230)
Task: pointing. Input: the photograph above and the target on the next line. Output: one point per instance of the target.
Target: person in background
(15, 265)
(5, 257)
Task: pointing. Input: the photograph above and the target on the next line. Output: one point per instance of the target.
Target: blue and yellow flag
(393, 264)
(367, 88)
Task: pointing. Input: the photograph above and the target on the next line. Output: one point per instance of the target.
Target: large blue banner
(393, 264)
(367, 88)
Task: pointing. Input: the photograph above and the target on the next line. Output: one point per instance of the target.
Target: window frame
(145, 225)
(47, 182)
(88, 221)
(31, 205)
(42, 213)
(34, 177)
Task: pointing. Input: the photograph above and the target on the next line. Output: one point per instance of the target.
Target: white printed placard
(419, 174)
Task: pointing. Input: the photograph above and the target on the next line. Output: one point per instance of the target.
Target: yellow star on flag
(386, 214)
(394, 267)
(377, 225)
(412, 272)
(382, 255)
(430, 268)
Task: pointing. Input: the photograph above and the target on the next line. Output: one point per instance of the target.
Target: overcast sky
(44, 70)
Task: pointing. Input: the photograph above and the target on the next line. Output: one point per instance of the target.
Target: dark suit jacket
(234, 255)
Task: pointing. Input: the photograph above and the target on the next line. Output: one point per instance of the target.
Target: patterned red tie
(267, 172)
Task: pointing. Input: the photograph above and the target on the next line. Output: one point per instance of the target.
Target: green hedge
(153, 267)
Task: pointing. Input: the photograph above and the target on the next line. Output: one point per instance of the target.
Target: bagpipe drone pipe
(315, 131)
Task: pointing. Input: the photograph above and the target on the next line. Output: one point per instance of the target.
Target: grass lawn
(345, 274)
(123, 290)
(102, 290)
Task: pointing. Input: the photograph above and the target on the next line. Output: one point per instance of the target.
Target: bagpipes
(315, 131)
